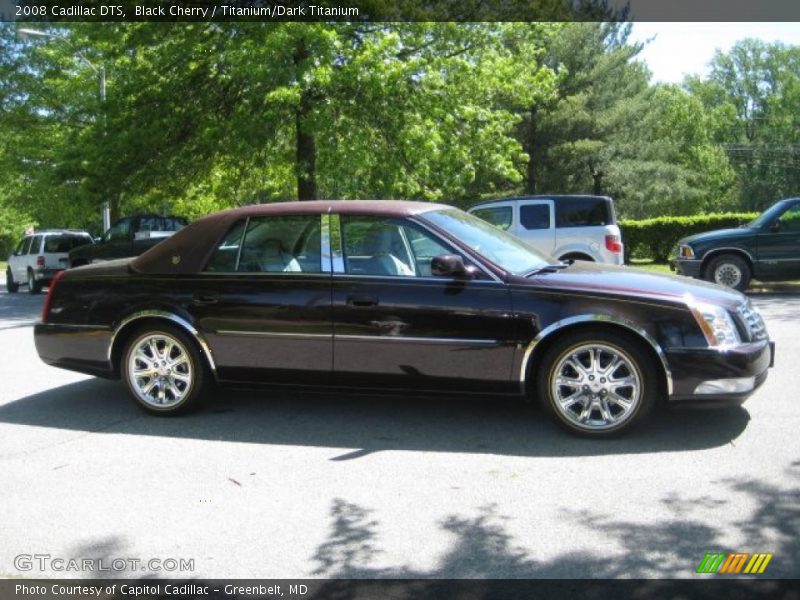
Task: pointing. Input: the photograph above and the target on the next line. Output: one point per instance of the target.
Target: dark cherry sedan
(399, 295)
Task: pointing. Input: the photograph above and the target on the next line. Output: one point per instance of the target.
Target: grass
(3, 265)
(650, 265)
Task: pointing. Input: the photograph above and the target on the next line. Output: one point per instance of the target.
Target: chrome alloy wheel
(728, 274)
(596, 386)
(160, 370)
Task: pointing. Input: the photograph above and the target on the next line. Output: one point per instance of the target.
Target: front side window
(388, 247)
(499, 216)
(276, 244)
(119, 231)
(535, 216)
(790, 220)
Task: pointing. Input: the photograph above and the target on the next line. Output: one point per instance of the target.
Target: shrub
(655, 238)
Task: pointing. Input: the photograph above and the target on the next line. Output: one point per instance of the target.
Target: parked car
(567, 227)
(130, 236)
(767, 249)
(399, 295)
(39, 256)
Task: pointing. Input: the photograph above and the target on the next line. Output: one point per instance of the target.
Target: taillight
(613, 244)
(40, 261)
(50, 291)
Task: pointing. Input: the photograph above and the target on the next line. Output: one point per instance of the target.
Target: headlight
(716, 324)
(685, 251)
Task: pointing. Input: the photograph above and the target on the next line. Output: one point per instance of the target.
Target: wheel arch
(535, 350)
(715, 252)
(127, 326)
(577, 255)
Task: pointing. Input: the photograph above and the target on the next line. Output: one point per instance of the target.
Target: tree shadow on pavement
(368, 423)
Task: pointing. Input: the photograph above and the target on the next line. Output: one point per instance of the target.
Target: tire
(12, 287)
(729, 270)
(34, 287)
(155, 387)
(604, 403)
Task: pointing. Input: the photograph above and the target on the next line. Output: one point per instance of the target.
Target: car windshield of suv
(503, 249)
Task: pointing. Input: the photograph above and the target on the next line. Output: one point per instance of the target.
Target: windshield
(768, 216)
(501, 248)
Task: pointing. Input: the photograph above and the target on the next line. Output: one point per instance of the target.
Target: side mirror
(775, 227)
(451, 265)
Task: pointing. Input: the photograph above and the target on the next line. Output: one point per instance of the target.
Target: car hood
(618, 281)
(718, 234)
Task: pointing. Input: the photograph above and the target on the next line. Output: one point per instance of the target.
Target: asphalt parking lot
(265, 484)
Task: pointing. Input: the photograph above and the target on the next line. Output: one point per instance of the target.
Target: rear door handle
(362, 301)
(205, 298)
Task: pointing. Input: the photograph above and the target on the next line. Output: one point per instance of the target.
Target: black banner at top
(398, 10)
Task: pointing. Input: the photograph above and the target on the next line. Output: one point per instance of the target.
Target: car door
(536, 224)
(264, 302)
(779, 245)
(398, 326)
(17, 261)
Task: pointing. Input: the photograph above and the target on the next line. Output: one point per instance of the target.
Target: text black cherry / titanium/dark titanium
(399, 295)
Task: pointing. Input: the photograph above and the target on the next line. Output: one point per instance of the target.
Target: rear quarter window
(584, 212)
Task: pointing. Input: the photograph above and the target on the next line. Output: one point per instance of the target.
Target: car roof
(188, 250)
(554, 197)
(56, 231)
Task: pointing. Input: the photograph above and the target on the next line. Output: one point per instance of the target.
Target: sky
(681, 49)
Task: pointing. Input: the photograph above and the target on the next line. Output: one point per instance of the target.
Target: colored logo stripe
(733, 563)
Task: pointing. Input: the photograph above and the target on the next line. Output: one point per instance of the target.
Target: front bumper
(686, 266)
(695, 370)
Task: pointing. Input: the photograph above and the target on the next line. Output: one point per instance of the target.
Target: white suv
(39, 256)
(566, 227)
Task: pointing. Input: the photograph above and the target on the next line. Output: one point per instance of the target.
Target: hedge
(655, 238)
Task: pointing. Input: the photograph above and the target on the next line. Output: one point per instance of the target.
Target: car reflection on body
(399, 295)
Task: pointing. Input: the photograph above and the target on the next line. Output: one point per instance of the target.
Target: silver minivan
(568, 227)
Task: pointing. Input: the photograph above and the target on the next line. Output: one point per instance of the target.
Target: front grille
(751, 319)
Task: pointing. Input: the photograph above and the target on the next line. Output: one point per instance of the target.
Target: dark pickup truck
(767, 249)
(130, 236)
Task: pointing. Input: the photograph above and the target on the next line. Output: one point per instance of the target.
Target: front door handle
(205, 298)
(362, 301)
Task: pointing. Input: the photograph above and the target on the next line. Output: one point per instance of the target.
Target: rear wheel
(164, 370)
(597, 384)
(729, 270)
(12, 287)
(34, 287)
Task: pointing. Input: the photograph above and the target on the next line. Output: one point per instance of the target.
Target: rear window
(64, 243)
(584, 212)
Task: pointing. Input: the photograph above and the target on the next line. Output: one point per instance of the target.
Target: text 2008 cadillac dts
(401, 295)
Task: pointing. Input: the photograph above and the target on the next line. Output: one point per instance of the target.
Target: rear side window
(583, 212)
(64, 243)
(535, 216)
(499, 216)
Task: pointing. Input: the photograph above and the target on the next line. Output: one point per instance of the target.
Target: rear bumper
(706, 376)
(82, 348)
(45, 275)
(687, 267)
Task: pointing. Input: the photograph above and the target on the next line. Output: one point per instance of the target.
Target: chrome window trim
(594, 318)
(413, 278)
(430, 340)
(275, 334)
(161, 314)
(325, 242)
(337, 252)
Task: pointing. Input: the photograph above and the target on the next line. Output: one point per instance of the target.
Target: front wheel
(729, 270)
(12, 287)
(597, 384)
(164, 370)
